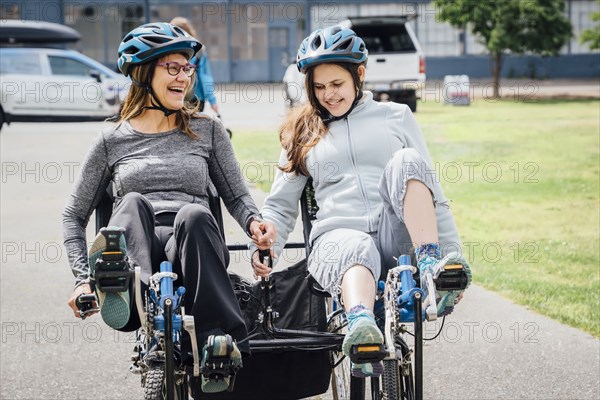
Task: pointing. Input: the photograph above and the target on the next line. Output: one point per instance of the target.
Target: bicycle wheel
(340, 377)
(390, 380)
(153, 387)
(343, 385)
(155, 384)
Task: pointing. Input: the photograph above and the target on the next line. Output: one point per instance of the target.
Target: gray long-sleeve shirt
(170, 169)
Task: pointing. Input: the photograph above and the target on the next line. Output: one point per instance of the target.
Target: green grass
(523, 179)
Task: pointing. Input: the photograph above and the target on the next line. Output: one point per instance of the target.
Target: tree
(592, 35)
(515, 26)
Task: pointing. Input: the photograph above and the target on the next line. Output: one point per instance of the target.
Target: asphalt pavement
(489, 348)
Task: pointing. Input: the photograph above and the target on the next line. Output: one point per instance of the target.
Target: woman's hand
(263, 235)
(79, 290)
(261, 270)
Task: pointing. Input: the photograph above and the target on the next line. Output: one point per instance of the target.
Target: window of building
(581, 19)
(10, 11)
(209, 21)
(102, 26)
(249, 32)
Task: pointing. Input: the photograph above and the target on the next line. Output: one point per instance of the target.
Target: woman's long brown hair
(304, 126)
(138, 96)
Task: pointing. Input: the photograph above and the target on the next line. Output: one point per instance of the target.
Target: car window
(68, 66)
(385, 38)
(20, 64)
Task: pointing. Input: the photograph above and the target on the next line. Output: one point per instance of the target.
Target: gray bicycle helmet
(333, 44)
(151, 41)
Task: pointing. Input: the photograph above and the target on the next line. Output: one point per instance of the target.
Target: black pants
(190, 239)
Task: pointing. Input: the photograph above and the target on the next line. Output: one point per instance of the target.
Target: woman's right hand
(264, 234)
(261, 270)
(79, 290)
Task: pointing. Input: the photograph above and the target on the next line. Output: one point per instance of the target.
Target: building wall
(250, 41)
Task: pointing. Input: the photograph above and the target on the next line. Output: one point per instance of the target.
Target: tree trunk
(496, 73)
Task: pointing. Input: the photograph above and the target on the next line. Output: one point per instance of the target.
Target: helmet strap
(156, 104)
(327, 118)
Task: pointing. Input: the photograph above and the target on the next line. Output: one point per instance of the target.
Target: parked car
(396, 64)
(43, 84)
(293, 85)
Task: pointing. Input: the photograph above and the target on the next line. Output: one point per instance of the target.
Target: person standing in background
(205, 83)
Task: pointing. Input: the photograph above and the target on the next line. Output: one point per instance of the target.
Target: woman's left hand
(263, 233)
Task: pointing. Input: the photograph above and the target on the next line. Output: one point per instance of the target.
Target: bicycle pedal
(453, 277)
(111, 281)
(218, 364)
(112, 236)
(111, 270)
(367, 353)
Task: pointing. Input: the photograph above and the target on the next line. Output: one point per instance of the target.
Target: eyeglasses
(173, 68)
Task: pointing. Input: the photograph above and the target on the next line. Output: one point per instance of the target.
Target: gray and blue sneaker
(451, 275)
(221, 359)
(110, 273)
(363, 337)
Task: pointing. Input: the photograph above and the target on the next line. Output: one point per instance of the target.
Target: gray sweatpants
(334, 252)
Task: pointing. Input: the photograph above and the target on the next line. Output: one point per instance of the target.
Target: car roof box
(17, 32)
(382, 19)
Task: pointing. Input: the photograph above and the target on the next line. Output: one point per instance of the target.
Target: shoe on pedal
(221, 359)
(363, 343)
(110, 273)
(451, 275)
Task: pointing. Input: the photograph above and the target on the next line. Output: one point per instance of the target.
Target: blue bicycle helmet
(151, 41)
(333, 44)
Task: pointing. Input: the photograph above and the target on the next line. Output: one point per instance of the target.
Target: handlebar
(85, 304)
(264, 257)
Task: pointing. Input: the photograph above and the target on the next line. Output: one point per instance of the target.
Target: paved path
(489, 348)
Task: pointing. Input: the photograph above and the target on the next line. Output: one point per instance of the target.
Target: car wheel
(1, 118)
(412, 104)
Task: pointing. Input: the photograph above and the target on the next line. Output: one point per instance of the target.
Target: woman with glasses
(161, 156)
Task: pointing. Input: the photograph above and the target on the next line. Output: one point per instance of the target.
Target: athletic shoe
(451, 275)
(221, 359)
(108, 254)
(362, 329)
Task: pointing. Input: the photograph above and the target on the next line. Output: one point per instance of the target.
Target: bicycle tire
(357, 388)
(344, 386)
(340, 377)
(169, 352)
(155, 385)
(390, 380)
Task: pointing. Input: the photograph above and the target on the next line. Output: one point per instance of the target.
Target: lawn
(523, 179)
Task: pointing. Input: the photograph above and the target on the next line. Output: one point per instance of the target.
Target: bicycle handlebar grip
(265, 255)
(85, 300)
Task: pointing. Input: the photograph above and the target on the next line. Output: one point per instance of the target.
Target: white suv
(396, 64)
(45, 84)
